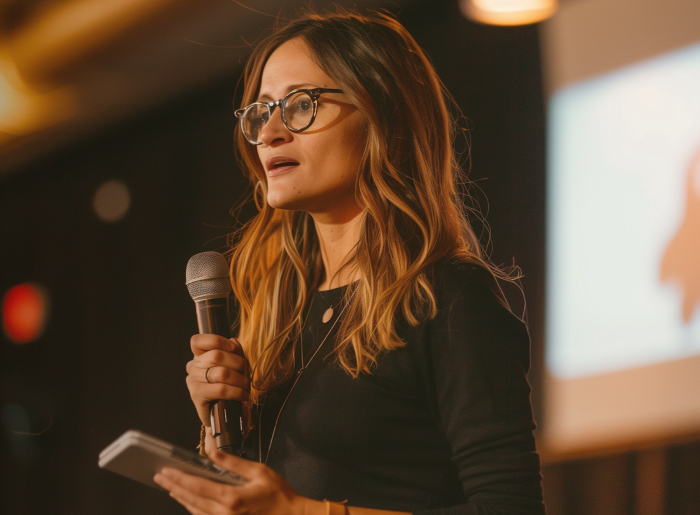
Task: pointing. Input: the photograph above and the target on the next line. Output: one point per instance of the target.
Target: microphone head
(207, 276)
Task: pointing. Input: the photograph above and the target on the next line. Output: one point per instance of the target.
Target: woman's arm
(475, 360)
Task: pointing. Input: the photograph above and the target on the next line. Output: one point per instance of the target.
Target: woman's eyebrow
(291, 87)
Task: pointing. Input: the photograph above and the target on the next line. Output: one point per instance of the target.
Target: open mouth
(283, 164)
(280, 163)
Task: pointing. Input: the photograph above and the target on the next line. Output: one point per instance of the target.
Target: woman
(387, 370)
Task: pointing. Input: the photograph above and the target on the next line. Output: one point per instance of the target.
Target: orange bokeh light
(24, 311)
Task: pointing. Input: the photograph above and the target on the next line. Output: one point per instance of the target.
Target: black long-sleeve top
(441, 426)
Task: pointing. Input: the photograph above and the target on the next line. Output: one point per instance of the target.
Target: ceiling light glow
(508, 12)
(24, 111)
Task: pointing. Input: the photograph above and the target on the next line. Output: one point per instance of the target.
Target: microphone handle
(226, 423)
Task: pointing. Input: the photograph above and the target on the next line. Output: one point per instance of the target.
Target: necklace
(299, 373)
(327, 315)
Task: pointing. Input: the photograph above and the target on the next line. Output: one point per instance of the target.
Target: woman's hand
(227, 376)
(265, 493)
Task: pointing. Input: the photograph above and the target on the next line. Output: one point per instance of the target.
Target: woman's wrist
(311, 507)
(306, 506)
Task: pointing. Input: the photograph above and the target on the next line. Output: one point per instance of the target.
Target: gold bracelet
(335, 508)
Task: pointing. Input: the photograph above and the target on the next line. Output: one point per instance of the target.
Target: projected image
(681, 261)
(624, 218)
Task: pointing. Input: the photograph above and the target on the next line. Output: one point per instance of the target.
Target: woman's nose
(274, 131)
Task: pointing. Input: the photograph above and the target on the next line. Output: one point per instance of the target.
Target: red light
(24, 311)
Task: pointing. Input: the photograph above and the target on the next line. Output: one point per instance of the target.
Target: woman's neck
(337, 237)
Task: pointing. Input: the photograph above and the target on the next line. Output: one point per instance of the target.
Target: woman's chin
(283, 202)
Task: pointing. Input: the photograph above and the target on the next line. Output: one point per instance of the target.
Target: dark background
(114, 352)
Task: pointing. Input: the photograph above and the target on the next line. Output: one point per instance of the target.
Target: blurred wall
(113, 354)
(591, 37)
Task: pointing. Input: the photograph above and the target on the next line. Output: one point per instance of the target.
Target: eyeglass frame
(314, 94)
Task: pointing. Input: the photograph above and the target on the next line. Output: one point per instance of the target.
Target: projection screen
(623, 256)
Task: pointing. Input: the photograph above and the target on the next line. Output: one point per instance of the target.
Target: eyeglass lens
(298, 112)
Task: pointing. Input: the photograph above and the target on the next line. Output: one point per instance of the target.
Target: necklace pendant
(327, 315)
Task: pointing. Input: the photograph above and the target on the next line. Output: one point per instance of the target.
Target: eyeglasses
(298, 109)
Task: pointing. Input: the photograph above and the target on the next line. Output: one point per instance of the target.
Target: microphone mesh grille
(207, 276)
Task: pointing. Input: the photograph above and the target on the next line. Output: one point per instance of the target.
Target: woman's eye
(300, 106)
(299, 111)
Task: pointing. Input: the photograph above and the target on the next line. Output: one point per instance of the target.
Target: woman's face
(314, 170)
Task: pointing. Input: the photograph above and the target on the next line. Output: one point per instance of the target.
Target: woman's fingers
(219, 370)
(196, 494)
(215, 392)
(201, 343)
(220, 358)
(244, 468)
(204, 392)
(212, 375)
(189, 507)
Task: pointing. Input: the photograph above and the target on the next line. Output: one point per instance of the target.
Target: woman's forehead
(291, 67)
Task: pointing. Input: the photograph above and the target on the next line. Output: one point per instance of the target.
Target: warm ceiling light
(508, 12)
(23, 110)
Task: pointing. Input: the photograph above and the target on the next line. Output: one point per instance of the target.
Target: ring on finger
(206, 375)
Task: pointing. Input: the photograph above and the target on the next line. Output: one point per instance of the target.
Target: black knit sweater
(441, 426)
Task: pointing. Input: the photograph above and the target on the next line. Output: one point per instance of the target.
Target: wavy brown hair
(408, 187)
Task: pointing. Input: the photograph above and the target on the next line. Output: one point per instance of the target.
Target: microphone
(208, 282)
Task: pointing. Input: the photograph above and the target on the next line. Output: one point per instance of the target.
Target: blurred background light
(64, 32)
(112, 201)
(23, 110)
(508, 12)
(25, 309)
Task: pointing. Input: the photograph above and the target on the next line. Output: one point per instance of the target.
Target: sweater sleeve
(476, 360)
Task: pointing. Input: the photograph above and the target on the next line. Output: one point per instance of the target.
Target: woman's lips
(280, 164)
(281, 169)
